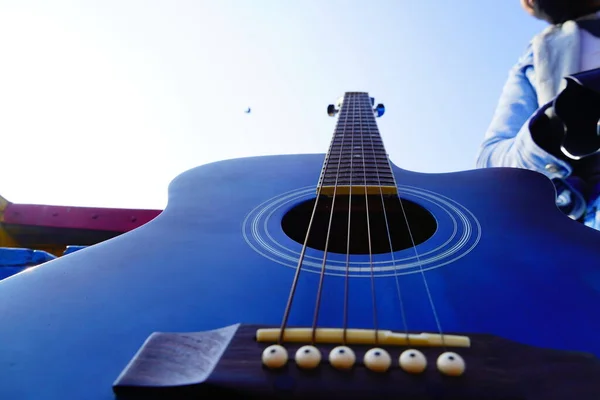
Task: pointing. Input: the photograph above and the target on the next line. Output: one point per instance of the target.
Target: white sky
(102, 103)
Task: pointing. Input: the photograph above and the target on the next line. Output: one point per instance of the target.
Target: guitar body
(502, 260)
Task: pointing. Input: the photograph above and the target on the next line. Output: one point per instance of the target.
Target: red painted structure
(52, 228)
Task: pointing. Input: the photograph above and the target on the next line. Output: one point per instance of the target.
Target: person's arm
(508, 141)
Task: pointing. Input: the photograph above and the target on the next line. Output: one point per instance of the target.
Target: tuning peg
(379, 110)
(331, 110)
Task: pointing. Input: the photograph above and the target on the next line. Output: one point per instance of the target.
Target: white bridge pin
(451, 364)
(308, 357)
(342, 357)
(274, 356)
(413, 361)
(377, 360)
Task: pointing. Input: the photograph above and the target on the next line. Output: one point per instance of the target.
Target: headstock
(333, 109)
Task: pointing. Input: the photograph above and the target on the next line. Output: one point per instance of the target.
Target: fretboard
(356, 162)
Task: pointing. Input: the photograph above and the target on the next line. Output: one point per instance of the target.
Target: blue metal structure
(502, 260)
(15, 260)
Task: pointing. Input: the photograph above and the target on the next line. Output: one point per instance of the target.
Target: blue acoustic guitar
(312, 276)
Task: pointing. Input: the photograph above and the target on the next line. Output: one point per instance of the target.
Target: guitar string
(421, 269)
(389, 236)
(422, 272)
(419, 263)
(331, 213)
(373, 295)
(347, 272)
(303, 251)
(294, 286)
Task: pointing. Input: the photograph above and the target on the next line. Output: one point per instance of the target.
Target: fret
(357, 162)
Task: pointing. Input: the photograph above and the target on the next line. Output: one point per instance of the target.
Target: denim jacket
(534, 80)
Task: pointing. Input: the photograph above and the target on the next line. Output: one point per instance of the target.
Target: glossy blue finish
(504, 260)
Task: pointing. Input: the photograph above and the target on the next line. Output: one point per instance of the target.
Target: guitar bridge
(362, 337)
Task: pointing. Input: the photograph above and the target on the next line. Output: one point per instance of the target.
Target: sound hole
(422, 224)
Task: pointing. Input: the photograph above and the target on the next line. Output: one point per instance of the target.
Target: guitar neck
(356, 162)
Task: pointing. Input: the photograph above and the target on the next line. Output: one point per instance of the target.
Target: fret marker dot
(342, 357)
(413, 361)
(451, 364)
(377, 360)
(308, 357)
(274, 356)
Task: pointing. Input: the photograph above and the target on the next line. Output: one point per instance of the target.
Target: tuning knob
(331, 110)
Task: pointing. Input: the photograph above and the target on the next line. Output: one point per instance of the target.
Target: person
(518, 136)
